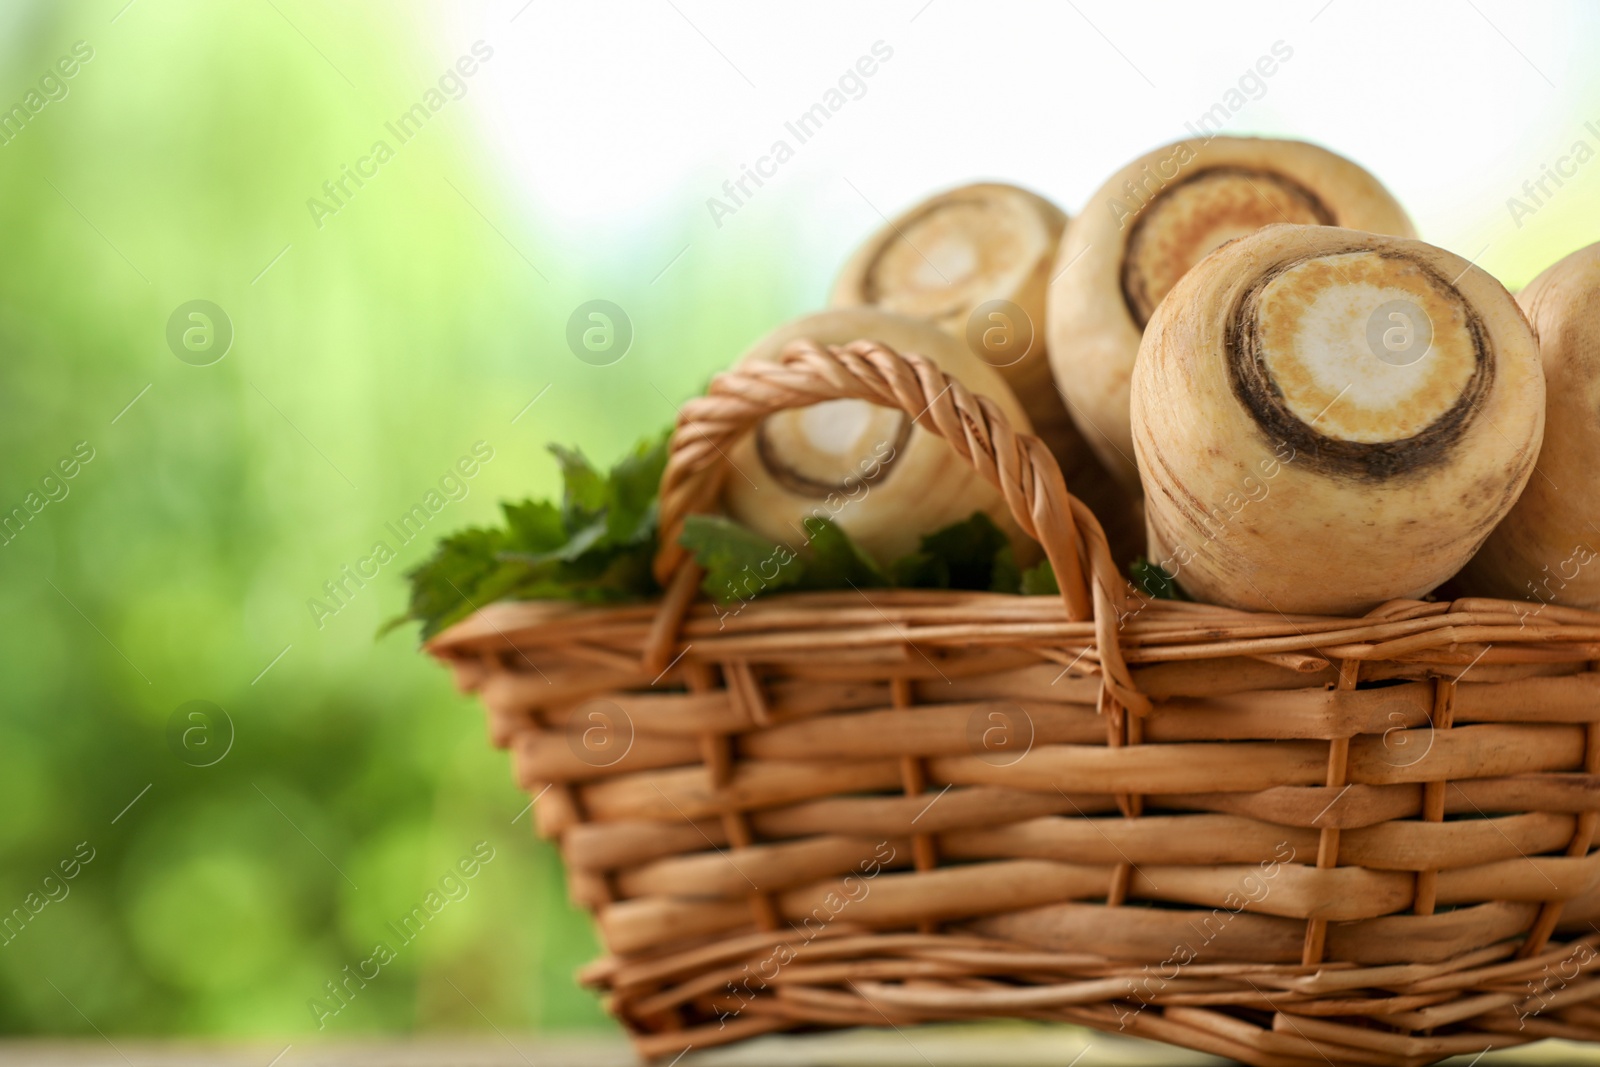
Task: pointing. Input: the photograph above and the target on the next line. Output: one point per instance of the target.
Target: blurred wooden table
(931, 1046)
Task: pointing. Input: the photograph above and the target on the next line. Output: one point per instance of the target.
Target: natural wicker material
(1288, 840)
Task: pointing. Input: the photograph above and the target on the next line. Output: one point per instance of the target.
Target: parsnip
(1548, 548)
(1151, 222)
(881, 478)
(1327, 419)
(949, 255)
(976, 261)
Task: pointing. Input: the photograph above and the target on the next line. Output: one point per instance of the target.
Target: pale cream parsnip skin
(1150, 223)
(949, 256)
(1304, 449)
(1548, 548)
(881, 478)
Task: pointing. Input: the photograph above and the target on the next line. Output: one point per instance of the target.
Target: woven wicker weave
(1288, 840)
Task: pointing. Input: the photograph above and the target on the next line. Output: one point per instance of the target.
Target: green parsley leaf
(834, 561)
(739, 563)
(963, 555)
(534, 526)
(584, 490)
(1154, 581)
(634, 484)
(442, 585)
(1006, 576)
(595, 548)
(1040, 580)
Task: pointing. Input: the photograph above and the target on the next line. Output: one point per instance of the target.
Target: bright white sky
(617, 120)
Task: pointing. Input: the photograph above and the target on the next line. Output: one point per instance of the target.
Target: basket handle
(1019, 464)
(808, 373)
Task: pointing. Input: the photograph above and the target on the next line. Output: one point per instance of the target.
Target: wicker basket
(1287, 840)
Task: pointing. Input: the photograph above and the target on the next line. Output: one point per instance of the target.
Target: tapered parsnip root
(1151, 222)
(870, 469)
(1548, 548)
(976, 261)
(1326, 420)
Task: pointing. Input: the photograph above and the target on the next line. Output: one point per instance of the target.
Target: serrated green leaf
(963, 555)
(633, 486)
(595, 548)
(834, 561)
(596, 578)
(739, 563)
(442, 585)
(581, 541)
(583, 489)
(533, 526)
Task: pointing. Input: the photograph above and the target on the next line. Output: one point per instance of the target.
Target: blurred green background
(372, 351)
(179, 565)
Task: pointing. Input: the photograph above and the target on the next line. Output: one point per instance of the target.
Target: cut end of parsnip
(975, 262)
(955, 253)
(1327, 419)
(822, 449)
(868, 468)
(1359, 351)
(1149, 225)
(1195, 217)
